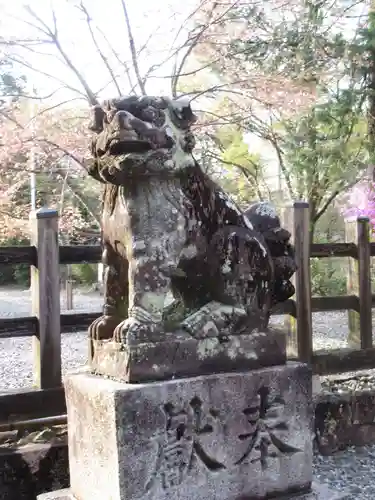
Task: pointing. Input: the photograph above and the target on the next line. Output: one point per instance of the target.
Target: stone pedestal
(218, 437)
(232, 436)
(180, 355)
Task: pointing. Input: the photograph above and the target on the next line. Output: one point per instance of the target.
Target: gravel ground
(352, 470)
(16, 353)
(330, 331)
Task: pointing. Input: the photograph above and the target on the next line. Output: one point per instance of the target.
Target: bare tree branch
(330, 199)
(55, 106)
(133, 50)
(185, 57)
(195, 39)
(53, 34)
(79, 197)
(48, 75)
(118, 58)
(99, 51)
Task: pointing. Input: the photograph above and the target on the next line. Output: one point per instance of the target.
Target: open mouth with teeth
(119, 146)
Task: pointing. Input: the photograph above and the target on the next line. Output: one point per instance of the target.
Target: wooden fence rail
(46, 323)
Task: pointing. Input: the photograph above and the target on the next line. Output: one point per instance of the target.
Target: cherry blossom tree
(42, 40)
(264, 68)
(360, 202)
(292, 75)
(60, 141)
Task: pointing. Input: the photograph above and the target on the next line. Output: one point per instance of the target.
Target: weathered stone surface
(318, 492)
(32, 469)
(179, 357)
(218, 437)
(168, 228)
(345, 419)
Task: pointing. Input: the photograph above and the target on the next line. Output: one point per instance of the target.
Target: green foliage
(331, 226)
(326, 150)
(243, 169)
(18, 274)
(328, 278)
(299, 45)
(85, 274)
(237, 153)
(311, 109)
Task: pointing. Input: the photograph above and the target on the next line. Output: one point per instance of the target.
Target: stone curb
(344, 419)
(32, 469)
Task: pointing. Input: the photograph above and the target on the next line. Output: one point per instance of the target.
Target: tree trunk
(311, 233)
(313, 220)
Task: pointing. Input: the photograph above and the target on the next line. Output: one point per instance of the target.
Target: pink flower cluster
(361, 202)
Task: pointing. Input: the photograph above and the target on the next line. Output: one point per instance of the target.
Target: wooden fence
(46, 324)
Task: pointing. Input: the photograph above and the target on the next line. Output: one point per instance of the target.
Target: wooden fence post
(299, 330)
(364, 281)
(69, 294)
(290, 323)
(303, 281)
(69, 288)
(354, 327)
(45, 289)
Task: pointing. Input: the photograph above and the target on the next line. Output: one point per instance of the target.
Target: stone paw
(132, 331)
(103, 327)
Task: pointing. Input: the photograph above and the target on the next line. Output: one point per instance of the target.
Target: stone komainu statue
(167, 228)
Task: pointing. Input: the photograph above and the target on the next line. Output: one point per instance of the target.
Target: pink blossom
(361, 202)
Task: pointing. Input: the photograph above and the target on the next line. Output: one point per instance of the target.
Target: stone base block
(231, 436)
(318, 492)
(344, 418)
(184, 356)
